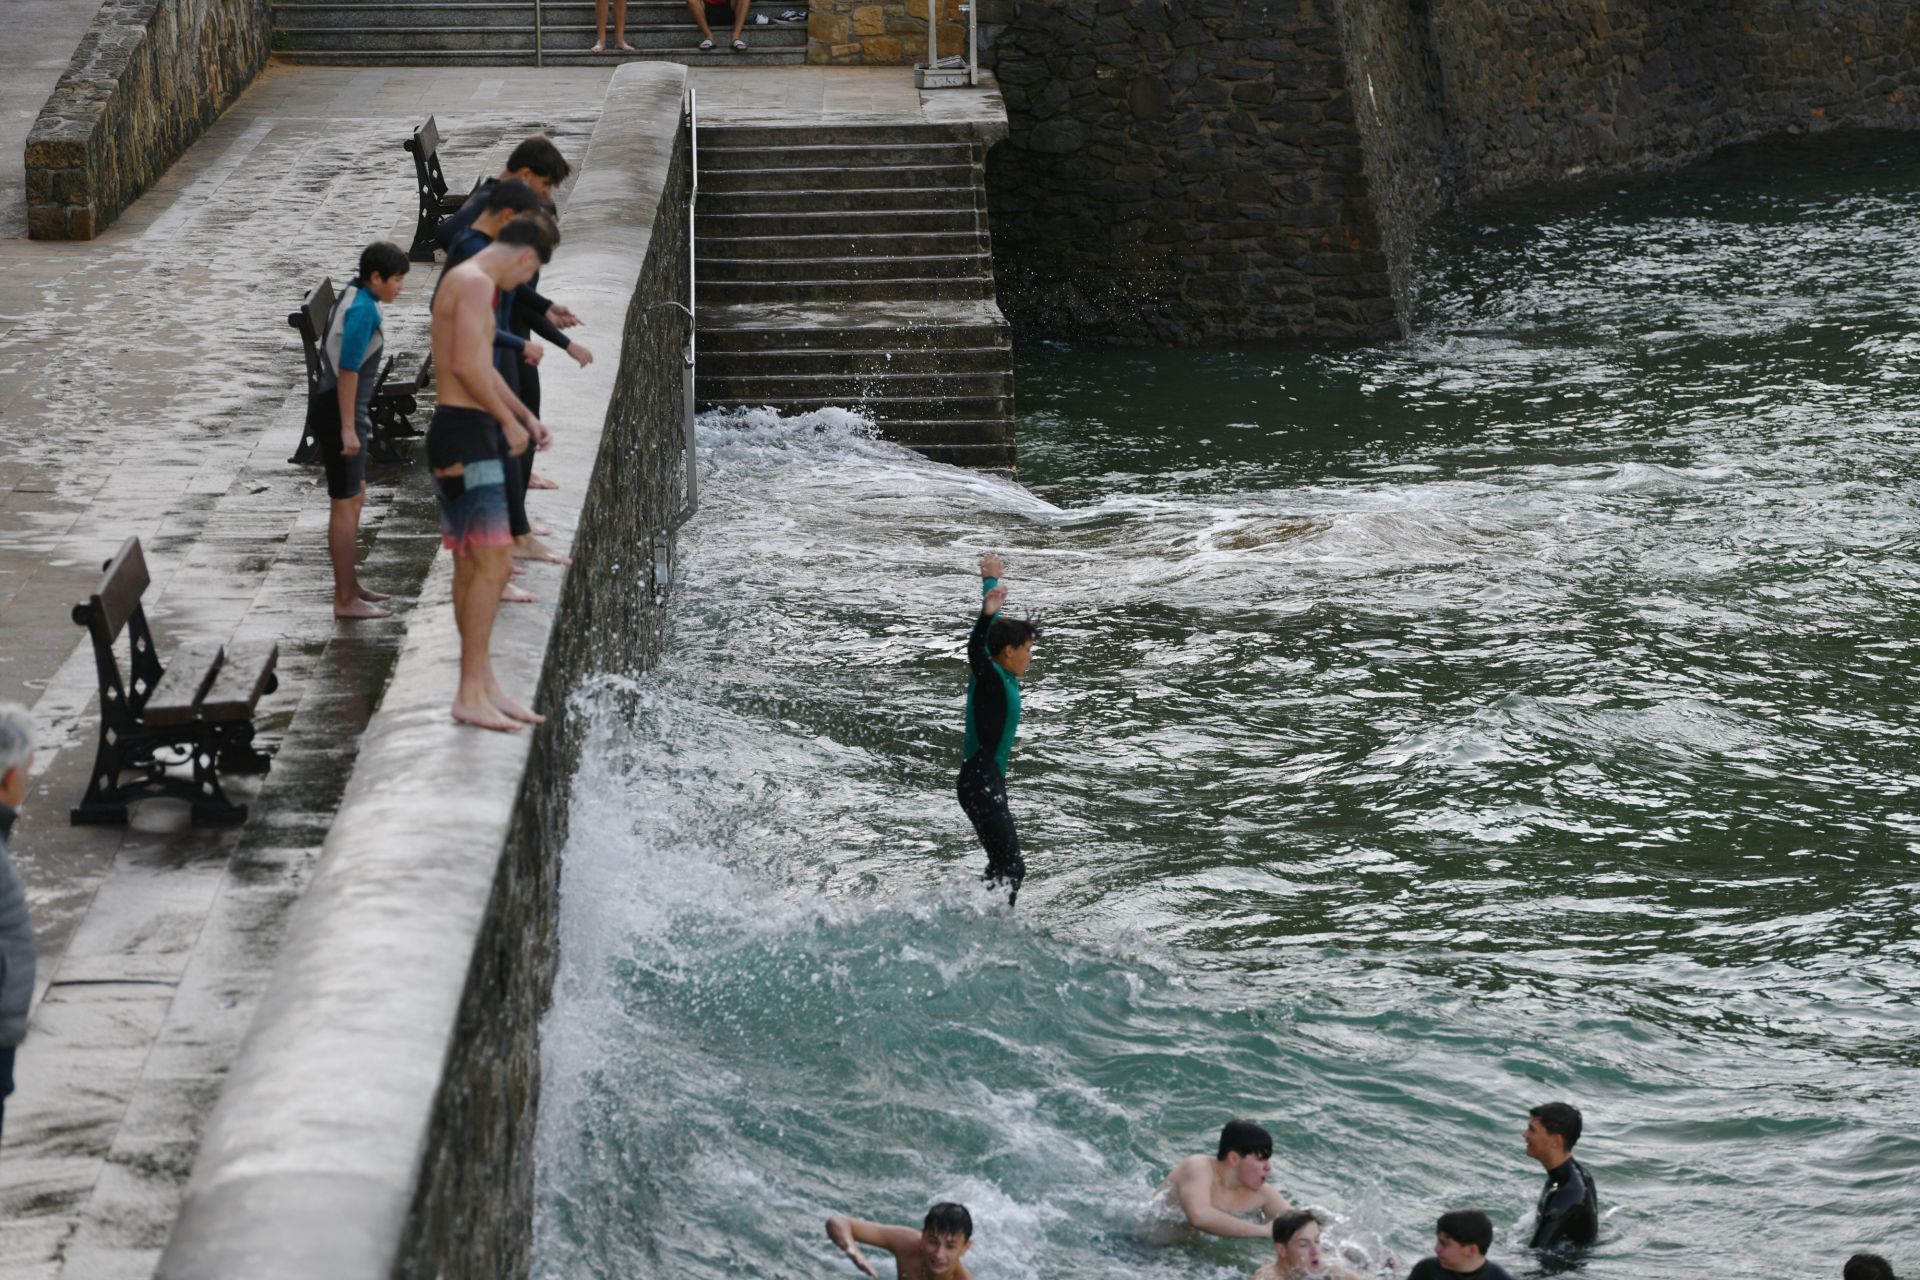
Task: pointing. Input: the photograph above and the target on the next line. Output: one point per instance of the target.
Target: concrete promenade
(149, 385)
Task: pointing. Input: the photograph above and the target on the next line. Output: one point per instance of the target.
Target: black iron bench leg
(104, 805)
(423, 246)
(211, 807)
(234, 751)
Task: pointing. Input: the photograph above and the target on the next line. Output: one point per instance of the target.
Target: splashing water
(1417, 734)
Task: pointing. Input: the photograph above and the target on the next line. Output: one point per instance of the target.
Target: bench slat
(242, 680)
(181, 686)
(426, 140)
(120, 587)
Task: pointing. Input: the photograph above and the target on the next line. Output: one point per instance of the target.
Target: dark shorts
(346, 477)
(473, 502)
(6, 1080)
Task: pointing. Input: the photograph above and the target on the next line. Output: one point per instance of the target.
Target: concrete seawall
(379, 1118)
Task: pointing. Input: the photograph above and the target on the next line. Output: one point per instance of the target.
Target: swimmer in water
(1569, 1213)
(1217, 1193)
(1461, 1241)
(931, 1253)
(1296, 1246)
(999, 651)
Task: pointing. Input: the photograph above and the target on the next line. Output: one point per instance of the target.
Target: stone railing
(146, 81)
(880, 33)
(379, 1120)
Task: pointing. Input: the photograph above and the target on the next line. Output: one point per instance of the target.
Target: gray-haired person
(16, 926)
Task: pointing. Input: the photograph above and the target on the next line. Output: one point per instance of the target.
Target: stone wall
(880, 33)
(1216, 170)
(380, 1118)
(148, 78)
(1181, 171)
(1555, 90)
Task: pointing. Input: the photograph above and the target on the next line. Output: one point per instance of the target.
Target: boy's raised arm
(850, 1233)
(992, 596)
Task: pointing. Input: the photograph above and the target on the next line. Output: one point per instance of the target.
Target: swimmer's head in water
(1462, 1238)
(1868, 1266)
(1010, 641)
(1550, 1121)
(1296, 1238)
(1248, 1150)
(946, 1234)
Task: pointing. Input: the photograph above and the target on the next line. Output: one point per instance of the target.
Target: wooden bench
(393, 401)
(192, 715)
(436, 198)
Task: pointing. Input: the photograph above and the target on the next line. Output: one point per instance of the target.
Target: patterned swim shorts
(473, 502)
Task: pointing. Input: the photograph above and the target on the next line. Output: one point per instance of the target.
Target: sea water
(1523, 711)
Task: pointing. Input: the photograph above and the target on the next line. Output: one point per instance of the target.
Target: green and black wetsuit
(993, 716)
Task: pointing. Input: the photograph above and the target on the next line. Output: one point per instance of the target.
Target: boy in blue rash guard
(340, 415)
(999, 651)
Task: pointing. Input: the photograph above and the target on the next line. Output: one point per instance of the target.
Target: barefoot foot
(541, 482)
(599, 46)
(360, 609)
(368, 593)
(484, 715)
(534, 549)
(627, 48)
(511, 594)
(505, 704)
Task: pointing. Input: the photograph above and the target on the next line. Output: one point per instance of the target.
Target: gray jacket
(16, 944)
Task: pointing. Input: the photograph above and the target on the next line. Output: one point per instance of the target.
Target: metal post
(539, 47)
(973, 42)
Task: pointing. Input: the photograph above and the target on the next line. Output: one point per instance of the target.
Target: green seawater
(1521, 711)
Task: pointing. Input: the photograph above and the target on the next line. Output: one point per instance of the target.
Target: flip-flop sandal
(739, 46)
(706, 46)
(792, 15)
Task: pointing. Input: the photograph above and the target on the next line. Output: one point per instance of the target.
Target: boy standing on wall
(478, 428)
(999, 651)
(342, 415)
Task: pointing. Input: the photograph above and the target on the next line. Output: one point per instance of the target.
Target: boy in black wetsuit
(1461, 1241)
(998, 653)
(1569, 1212)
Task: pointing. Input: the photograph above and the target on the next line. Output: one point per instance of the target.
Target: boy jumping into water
(998, 653)
(1217, 1193)
(931, 1253)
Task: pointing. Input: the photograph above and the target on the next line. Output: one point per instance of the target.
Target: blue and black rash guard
(1569, 1208)
(993, 695)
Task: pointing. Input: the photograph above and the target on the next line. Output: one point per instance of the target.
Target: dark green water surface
(1522, 711)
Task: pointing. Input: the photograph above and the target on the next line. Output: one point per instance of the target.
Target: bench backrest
(311, 321)
(118, 596)
(425, 146)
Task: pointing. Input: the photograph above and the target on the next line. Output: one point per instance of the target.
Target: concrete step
(855, 363)
(929, 177)
(847, 244)
(994, 456)
(763, 228)
(920, 289)
(966, 433)
(835, 156)
(806, 270)
(820, 333)
(757, 388)
(525, 58)
(431, 39)
(928, 410)
(849, 200)
(566, 14)
(802, 135)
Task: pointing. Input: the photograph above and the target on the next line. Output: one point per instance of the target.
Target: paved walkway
(147, 386)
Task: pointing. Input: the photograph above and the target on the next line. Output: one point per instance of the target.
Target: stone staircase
(503, 32)
(850, 266)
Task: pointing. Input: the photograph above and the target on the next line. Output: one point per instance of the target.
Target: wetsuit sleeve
(978, 659)
(534, 316)
(355, 334)
(508, 339)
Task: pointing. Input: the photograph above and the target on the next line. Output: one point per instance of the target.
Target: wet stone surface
(149, 385)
